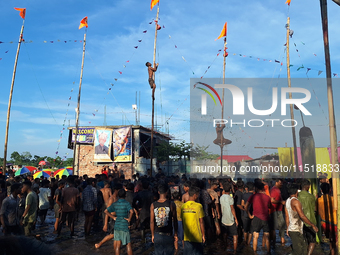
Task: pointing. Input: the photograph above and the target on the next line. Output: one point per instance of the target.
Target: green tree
(201, 153)
(68, 162)
(173, 151)
(16, 158)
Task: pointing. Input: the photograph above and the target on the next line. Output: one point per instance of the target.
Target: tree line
(26, 159)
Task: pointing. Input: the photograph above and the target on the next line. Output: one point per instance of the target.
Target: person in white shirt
(44, 200)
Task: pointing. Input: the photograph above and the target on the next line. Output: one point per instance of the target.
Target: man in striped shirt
(121, 211)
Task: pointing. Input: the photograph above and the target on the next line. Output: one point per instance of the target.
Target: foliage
(26, 159)
(173, 151)
(183, 150)
(201, 153)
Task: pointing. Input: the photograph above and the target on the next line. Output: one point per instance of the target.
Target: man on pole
(151, 71)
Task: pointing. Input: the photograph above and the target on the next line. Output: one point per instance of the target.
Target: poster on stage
(122, 144)
(102, 145)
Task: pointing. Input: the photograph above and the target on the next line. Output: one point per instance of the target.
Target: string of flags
(126, 63)
(45, 41)
(64, 123)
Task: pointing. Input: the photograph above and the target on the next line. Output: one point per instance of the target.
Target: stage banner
(102, 145)
(85, 135)
(122, 144)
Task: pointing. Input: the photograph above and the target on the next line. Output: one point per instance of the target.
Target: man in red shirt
(260, 202)
(276, 218)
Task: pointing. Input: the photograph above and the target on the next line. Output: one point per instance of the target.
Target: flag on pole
(223, 32)
(22, 12)
(288, 2)
(153, 3)
(83, 23)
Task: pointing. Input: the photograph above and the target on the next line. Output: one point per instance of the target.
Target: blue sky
(47, 72)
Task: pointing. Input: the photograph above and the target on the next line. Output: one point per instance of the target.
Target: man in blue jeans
(162, 216)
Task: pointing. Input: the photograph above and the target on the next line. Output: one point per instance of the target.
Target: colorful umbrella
(69, 168)
(22, 171)
(31, 168)
(38, 174)
(44, 163)
(62, 171)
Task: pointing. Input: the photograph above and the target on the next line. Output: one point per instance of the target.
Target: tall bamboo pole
(332, 126)
(78, 110)
(11, 94)
(290, 97)
(224, 60)
(153, 100)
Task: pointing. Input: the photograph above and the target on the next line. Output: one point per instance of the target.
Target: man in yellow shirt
(193, 225)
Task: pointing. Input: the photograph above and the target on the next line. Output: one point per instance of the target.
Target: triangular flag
(288, 2)
(223, 32)
(319, 72)
(153, 3)
(83, 23)
(22, 12)
(300, 68)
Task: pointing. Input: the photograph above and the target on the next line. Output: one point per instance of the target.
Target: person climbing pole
(151, 71)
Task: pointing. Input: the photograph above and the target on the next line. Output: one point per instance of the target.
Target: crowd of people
(178, 211)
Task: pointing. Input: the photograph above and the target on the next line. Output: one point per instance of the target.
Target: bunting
(22, 12)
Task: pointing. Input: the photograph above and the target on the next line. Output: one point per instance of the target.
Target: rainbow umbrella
(43, 173)
(69, 168)
(31, 168)
(61, 172)
(22, 171)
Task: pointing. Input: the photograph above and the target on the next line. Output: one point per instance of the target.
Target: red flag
(22, 12)
(288, 2)
(153, 3)
(83, 23)
(223, 32)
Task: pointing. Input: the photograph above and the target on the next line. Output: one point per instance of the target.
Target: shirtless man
(151, 70)
(107, 193)
(112, 199)
(186, 186)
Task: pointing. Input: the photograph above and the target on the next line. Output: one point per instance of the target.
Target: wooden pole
(11, 94)
(290, 97)
(78, 111)
(332, 126)
(153, 100)
(224, 60)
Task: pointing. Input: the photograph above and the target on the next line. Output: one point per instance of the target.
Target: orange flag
(224, 32)
(22, 12)
(153, 3)
(83, 23)
(288, 2)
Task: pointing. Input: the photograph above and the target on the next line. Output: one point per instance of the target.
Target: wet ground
(79, 244)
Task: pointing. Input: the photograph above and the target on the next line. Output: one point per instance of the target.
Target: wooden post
(332, 126)
(290, 97)
(11, 94)
(78, 111)
(153, 100)
(224, 58)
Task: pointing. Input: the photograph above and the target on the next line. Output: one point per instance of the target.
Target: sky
(48, 70)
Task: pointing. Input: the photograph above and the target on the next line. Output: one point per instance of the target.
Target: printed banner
(85, 135)
(102, 145)
(122, 144)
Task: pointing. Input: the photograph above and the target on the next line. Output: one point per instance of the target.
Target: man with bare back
(151, 71)
(107, 193)
(109, 226)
